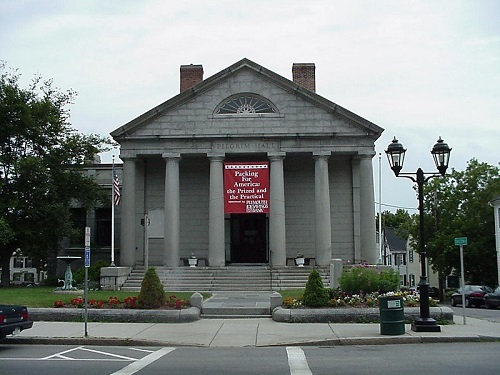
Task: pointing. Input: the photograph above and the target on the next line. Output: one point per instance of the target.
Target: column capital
(129, 157)
(365, 156)
(215, 156)
(322, 154)
(276, 155)
(171, 155)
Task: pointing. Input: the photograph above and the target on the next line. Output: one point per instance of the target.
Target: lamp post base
(425, 325)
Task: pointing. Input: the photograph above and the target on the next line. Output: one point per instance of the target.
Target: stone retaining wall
(304, 315)
(351, 315)
(115, 315)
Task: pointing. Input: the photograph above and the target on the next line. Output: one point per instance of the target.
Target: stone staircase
(237, 305)
(284, 278)
(229, 278)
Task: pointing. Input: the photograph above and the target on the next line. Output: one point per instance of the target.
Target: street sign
(460, 241)
(87, 257)
(87, 236)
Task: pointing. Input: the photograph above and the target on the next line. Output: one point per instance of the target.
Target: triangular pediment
(295, 110)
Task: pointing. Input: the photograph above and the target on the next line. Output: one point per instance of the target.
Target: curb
(97, 341)
(383, 340)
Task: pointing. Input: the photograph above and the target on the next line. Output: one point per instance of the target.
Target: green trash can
(392, 315)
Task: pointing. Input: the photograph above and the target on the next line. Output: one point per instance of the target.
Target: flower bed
(370, 300)
(172, 302)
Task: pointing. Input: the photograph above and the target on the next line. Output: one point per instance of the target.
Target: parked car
(474, 295)
(492, 300)
(13, 319)
(433, 291)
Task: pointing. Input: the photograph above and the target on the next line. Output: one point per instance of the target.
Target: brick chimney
(304, 75)
(190, 76)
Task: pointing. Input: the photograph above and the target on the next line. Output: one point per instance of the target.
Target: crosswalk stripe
(297, 361)
(143, 362)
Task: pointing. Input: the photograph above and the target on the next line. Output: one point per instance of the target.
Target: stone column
(216, 246)
(172, 210)
(128, 212)
(277, 238)
(356, 209)
(323, 215)
(368, 244)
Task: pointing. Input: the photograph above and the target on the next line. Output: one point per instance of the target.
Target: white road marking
(109, 354)
(142, 350)
(143, 362)
(297, 361)
(61, 354)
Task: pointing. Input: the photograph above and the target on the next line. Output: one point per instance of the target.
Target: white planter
(299, 262)
(192, 262)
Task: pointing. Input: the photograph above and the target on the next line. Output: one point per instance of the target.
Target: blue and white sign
(87, 256)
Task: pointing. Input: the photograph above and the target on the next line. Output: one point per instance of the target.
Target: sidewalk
(257, 332)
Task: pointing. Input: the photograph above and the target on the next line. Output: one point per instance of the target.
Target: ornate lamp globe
(441, 154)
(396, 155)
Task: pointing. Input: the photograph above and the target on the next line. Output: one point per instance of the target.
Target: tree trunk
(5, 262)
(52, 264)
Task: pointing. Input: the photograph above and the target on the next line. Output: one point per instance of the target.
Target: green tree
(152, 294)
(315, 294)
(5, 232)
(41, 157)
(457, 206)
(399, 220)
(395, 220)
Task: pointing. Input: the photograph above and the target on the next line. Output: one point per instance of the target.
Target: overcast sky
(418, 69)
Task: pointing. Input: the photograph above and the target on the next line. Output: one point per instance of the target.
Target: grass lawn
(292, 293)
(43, 296)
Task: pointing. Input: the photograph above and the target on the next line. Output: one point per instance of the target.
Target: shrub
(151, 295)
(368, 280)
(94, 272)
(388, 281)
(315, 294)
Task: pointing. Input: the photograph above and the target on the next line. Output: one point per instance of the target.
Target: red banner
(246, 188)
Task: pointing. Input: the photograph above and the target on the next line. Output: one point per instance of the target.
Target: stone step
(248, 316)
(228, 278)
(235, 311)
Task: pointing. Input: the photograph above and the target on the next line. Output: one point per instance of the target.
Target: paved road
(492, 315)
(456, 358)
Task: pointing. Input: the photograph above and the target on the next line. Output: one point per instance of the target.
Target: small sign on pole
(87, 256)
(462, 241)
(87, 236)
(87, 265)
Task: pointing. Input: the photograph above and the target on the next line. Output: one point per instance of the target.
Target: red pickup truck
(13, 319)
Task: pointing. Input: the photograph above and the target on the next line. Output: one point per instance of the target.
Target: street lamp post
(441, 153)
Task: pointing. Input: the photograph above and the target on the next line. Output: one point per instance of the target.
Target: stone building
(495, 203)
(303, 169)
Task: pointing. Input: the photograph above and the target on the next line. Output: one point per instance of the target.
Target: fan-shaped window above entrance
(245, 104)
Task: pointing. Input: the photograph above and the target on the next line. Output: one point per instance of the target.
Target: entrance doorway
(248, 238)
